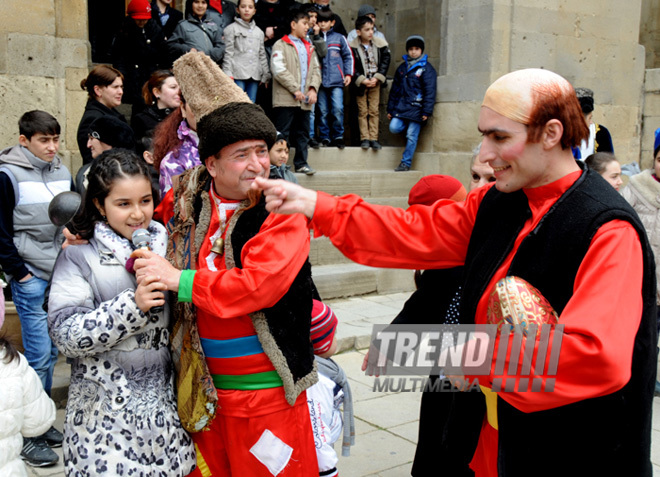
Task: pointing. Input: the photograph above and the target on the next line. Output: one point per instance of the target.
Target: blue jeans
(250, 87)
(334, 96)
(40, 351)
(412, 128)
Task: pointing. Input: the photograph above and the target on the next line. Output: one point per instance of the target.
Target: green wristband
(186, 285)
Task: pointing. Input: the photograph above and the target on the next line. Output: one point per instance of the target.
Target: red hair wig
(557, 101)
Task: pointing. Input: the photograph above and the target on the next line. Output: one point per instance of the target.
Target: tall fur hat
(203, 84)
(224, 113)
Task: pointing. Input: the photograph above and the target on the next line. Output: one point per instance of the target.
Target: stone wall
(471, 43)
(44, 54)
(592, 44)
(649, 32)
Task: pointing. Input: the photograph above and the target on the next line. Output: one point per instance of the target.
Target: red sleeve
(420, 237)
(165, 210)
(600, 323)
(270, 262)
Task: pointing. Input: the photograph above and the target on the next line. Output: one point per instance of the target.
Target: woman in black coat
(162, 95)
(105, 88)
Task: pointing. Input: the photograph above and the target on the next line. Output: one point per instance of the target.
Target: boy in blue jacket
(412, 97)
(336, 71)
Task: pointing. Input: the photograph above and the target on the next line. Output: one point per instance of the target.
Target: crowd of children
(295, 60)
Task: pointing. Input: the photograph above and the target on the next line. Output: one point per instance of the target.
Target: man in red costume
(241, 338)
(563, 230)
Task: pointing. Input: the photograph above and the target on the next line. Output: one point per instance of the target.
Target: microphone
(142, 240)
(63, 208)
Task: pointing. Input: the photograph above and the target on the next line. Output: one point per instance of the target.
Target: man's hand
(283, 197)
(71, 239)
(148, 294)
(25, 278)
(270, 32)
(299, 96)
(311, 96)
(389, 116)
(370, 363)
(347, 80)
(149, 264)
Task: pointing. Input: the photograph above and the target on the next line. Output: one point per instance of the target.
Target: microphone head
(64, 207)
(141, 238)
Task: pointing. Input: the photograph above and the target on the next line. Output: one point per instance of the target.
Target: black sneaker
(339, 142)
(325, 142)
(306, 170)
(366, 144)
(402, 168)
(53, 437)
(375, 145)
(37, 453)
(313, 143)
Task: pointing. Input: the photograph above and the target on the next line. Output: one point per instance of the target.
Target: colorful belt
(239, 348)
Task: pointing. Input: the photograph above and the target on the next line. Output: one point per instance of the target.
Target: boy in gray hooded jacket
(31, 174)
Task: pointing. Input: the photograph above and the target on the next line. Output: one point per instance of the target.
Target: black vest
(609, 435)
(290, 319)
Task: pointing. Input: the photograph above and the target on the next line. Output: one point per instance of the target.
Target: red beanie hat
(434, 187)
(139, 10)
(324, 325)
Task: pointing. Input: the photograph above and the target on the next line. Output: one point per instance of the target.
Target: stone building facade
(609, 46)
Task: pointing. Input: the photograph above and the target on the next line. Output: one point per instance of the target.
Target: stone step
(351, 279)
(367, 183)
(322, 252)
(353, 158)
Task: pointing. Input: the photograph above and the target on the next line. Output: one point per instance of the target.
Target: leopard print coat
(121, 416)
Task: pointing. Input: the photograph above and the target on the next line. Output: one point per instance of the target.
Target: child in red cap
(326, 397)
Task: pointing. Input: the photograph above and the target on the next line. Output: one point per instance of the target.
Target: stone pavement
(386, 423)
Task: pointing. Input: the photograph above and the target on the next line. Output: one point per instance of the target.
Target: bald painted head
(535, 96)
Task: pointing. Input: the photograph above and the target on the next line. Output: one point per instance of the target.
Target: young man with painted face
(241, 340)
(563, 230)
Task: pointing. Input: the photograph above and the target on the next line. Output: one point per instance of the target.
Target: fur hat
(415, 40)
(232, 123)
(112, 131)
(434, 187)
(366, 10)
(203, 84)
(139, 10)
(586, 98)
(224, 113)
